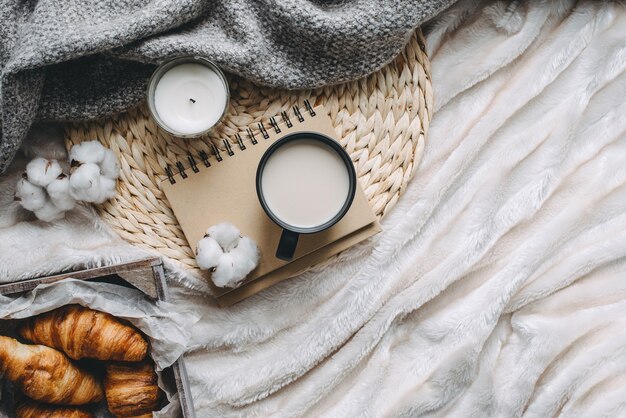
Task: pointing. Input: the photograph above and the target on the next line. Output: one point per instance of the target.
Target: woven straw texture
(382, 121)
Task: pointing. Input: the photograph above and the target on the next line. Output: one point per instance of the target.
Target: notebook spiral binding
(203, 156)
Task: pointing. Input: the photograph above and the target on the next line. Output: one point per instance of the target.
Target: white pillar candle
(189, 96)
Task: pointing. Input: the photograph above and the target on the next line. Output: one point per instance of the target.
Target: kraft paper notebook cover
(225, 191)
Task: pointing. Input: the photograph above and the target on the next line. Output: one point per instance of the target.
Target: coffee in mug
(306, 183)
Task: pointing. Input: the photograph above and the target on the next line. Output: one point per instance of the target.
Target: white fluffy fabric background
(497, 287)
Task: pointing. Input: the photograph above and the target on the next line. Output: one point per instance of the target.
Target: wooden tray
(146, 275)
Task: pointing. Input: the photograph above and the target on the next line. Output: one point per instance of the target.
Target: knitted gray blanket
(68, 59)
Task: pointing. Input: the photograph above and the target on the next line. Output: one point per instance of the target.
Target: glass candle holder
(188, 96)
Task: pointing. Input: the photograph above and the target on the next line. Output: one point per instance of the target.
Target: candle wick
(192, 100)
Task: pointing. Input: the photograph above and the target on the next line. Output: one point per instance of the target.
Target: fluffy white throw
(497, 287)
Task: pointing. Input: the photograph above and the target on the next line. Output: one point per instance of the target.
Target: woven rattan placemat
(382, 121)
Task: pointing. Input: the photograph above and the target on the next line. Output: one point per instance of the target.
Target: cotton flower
(227, 254)
(88, 152)
(59, 193)
(85, 184)
(109, 166)
(235, 265)
(39, 192)
(226, 235)
(31, 197)
(49, 193)
(93, 173)
(42, 171)
(93, 152)
(208, 253)
(49, 212)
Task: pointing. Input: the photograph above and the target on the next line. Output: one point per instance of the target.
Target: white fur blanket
(497, 287)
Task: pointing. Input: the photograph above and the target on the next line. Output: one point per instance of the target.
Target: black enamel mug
(313, 179)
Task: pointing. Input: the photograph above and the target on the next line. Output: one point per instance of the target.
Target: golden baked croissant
(84, 333)
(44, 374)
(131, 389)
(32, 409)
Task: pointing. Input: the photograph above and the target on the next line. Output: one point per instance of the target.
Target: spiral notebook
(219, 186)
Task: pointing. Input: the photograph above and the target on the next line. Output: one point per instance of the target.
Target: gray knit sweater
(78, 59)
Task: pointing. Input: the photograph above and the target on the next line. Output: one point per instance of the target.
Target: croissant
(84, 333)
(37, 410)
(44, 374)
(131, 389)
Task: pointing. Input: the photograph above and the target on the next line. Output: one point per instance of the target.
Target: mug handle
(287, 245)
